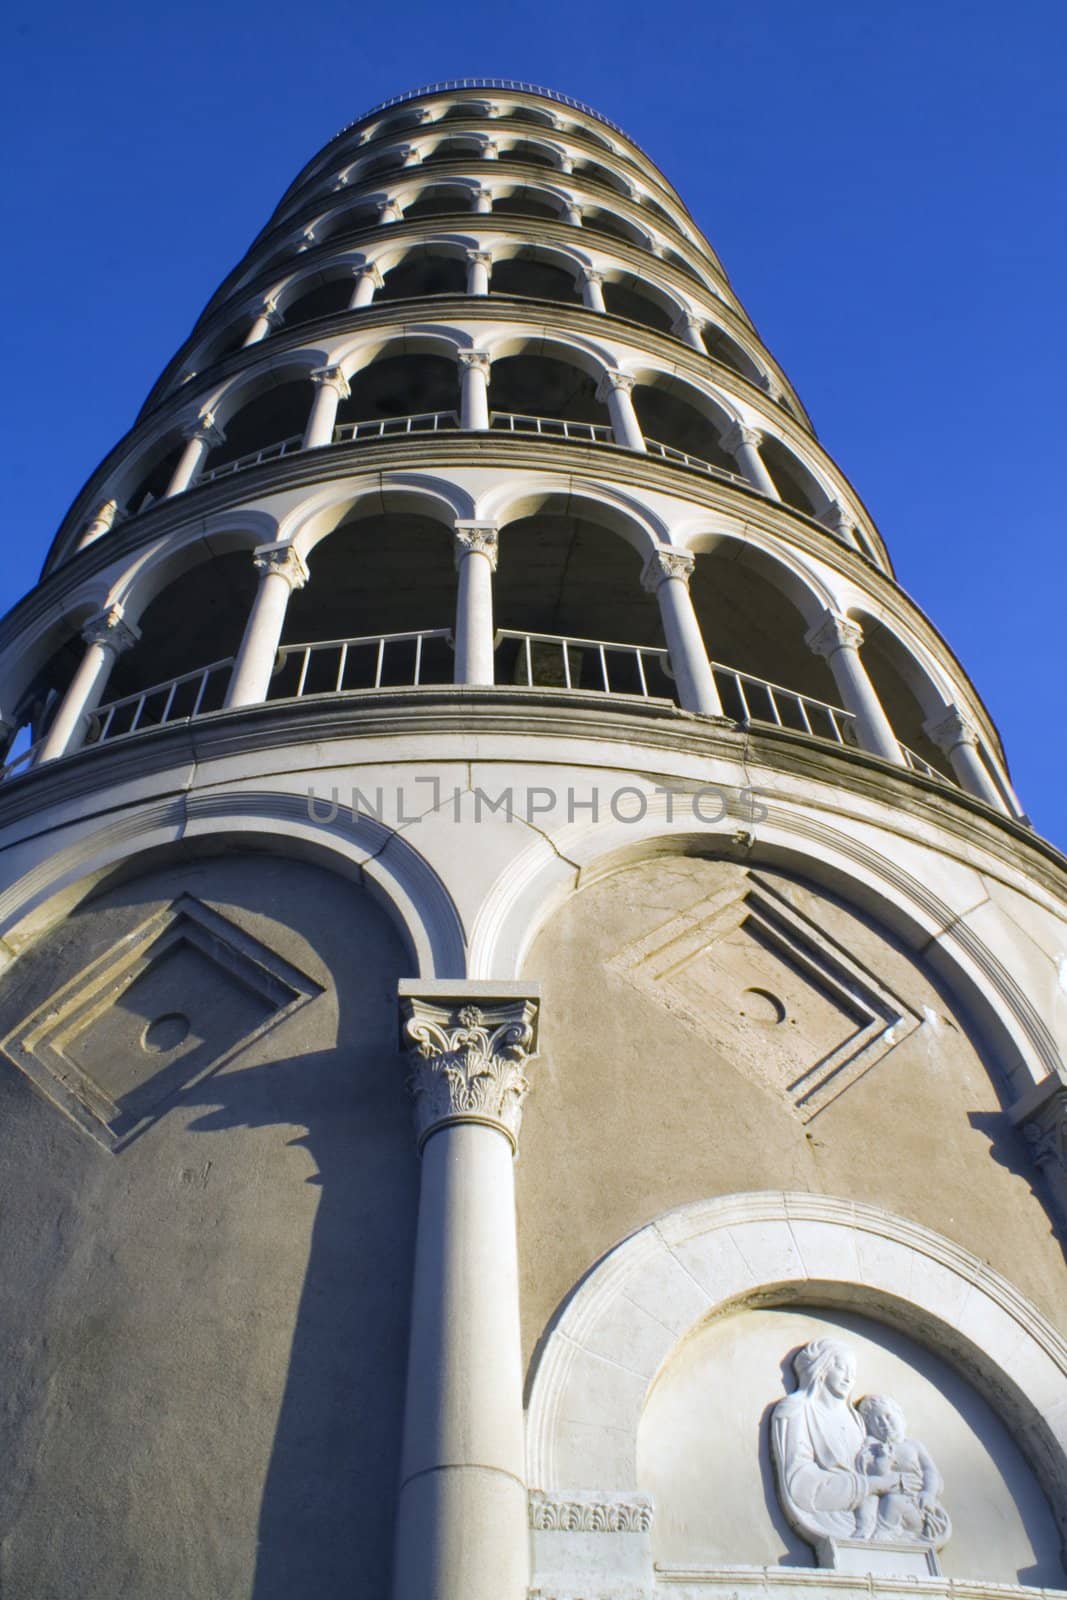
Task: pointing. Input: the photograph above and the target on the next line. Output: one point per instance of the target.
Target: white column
(476, 554)
(743, 444)
(593, 290)
(281, 570)
(572, 213)
(957, 736)
(267, 319)
(99, 524)
(666, 575)
(479, 266)
(307, 239)
(838, 639)
(489, 150)
(483, 199)
(201, 437)
(689, 327)
(474, 389)
(390, 211)
(462, 1529)
(106, 637)
(332, 388)
(617, 389)
(368, 282)
(412, 155)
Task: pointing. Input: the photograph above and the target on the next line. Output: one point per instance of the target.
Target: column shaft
(479, 263)
(743, 444)
(667, 573)
(593, 291)
(368, 280)
(198, 447)
(474, 390)
(839, 640)
(616, 388)
(322, 420)
(475, 562)
(105, 639)
(281, 571)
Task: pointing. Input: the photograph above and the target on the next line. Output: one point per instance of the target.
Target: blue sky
(885, 183)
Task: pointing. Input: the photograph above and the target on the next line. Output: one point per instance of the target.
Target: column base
(462, 1534)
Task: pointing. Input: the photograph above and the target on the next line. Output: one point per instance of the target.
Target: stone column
(689, 327)
(99, 524)
(483, 199)
(474, 389)
(743, 444)
(368, 282)
(462, 1513)
(957, 737)
(838, 639)
(489, 150)
(332, 389)
(666, 575)
(572, 213)
(476, 553)
(267, 319)
(479, 266)
(593, 290)
(106, 636)
(201, 437)
(281, 570)
(412, 155)
(389, 211)
(617, 389)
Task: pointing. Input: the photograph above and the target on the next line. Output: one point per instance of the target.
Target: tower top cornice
(513, 85)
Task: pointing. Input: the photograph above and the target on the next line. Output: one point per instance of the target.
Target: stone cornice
(580, 721)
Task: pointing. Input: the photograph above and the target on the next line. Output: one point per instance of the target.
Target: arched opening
(527, 203)
(669, 414)
(544, 386)
(567, 578)
(598, 220)
(275, 414)
(682, 264)
(599, 174)
(728, 353)
(440, 200)
(424, 271)
(388, 161)
(533, 155)
(321, 300)
(395, 124)
(526, 114)
(791, 480)
(894, 673)
(626, 297)
(353, 220)
(361, 589)
(400, 386)
(657, 210)
(459, 148)
(152, 483)
(751, 624)
(526, 276)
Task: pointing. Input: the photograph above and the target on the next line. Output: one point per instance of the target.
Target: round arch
(420, 494)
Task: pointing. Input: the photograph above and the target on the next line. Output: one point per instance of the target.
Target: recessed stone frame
(207, 990)
(611, 1338)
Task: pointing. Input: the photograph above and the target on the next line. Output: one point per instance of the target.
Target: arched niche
(400, 385)
(906, 690)
(524, 201)
(538, 379)
(425, 270)
(627, 295)
(675, 413)
(322, 298)
(528, 271)
(271, 408)
(439, 200)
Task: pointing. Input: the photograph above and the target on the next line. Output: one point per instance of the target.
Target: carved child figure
(913, 1510)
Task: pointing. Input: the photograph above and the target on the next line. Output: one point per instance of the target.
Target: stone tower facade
(532, 1018)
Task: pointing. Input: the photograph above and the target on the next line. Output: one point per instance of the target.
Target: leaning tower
(532, 1016)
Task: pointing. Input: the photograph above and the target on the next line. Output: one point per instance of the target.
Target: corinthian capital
(109, 628)
(283, 560)
(741, 434)
(478, 359)
(613, 379)
(333, 378)
(663, 564)
(467, 1053)
(479, 538)
(951, 729)
(834, 633)
(204, 429)
(1046, 1133)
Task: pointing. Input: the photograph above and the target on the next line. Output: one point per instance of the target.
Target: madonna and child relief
(848, 1473)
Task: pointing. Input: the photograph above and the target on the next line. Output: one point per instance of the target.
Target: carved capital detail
(663, 564)
(412, 155)
(109, 629)
(478, 359)
(204, 429)
(614, 380)
(467, 1061)
(951, 729)
(740, 434)
(389, 211)
(103, 518)
(592, 275)
(689, 320)
(484, 256)
(477, 538)
(594, 1512)
(367, 269)
(331, 378)
(1046, 1134)
(283, 560)
(832, 634)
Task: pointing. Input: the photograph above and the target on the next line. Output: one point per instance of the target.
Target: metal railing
(486, 83)
(668, 453)
(386, 427)
(175, 701)
(917, 764)
(551, 427)
(374, 661)
(269, 452)
(749, 699)
(559, 661)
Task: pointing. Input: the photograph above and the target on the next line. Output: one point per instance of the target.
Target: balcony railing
(269, 452)
(425, 657)
(551, 427)
(667, 452)
(388, 427)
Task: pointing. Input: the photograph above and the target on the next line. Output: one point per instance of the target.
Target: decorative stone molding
(592, 275)
(389, 211)
(688, 322)
(205, 430)
(489, 149)
(283, 560)
(331, 378)
(480, 192)
(1045, 1131)
(476, 538)
(738, 435)
(832, 634)
(468, 1059)
(479, 360)
(367, 269)
(835, 517)
(484, 257)
(411, 154)
(101, 521)
(614, 380)
(111, 630)
(950, 730)
(590, 1513)
(663, 564)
